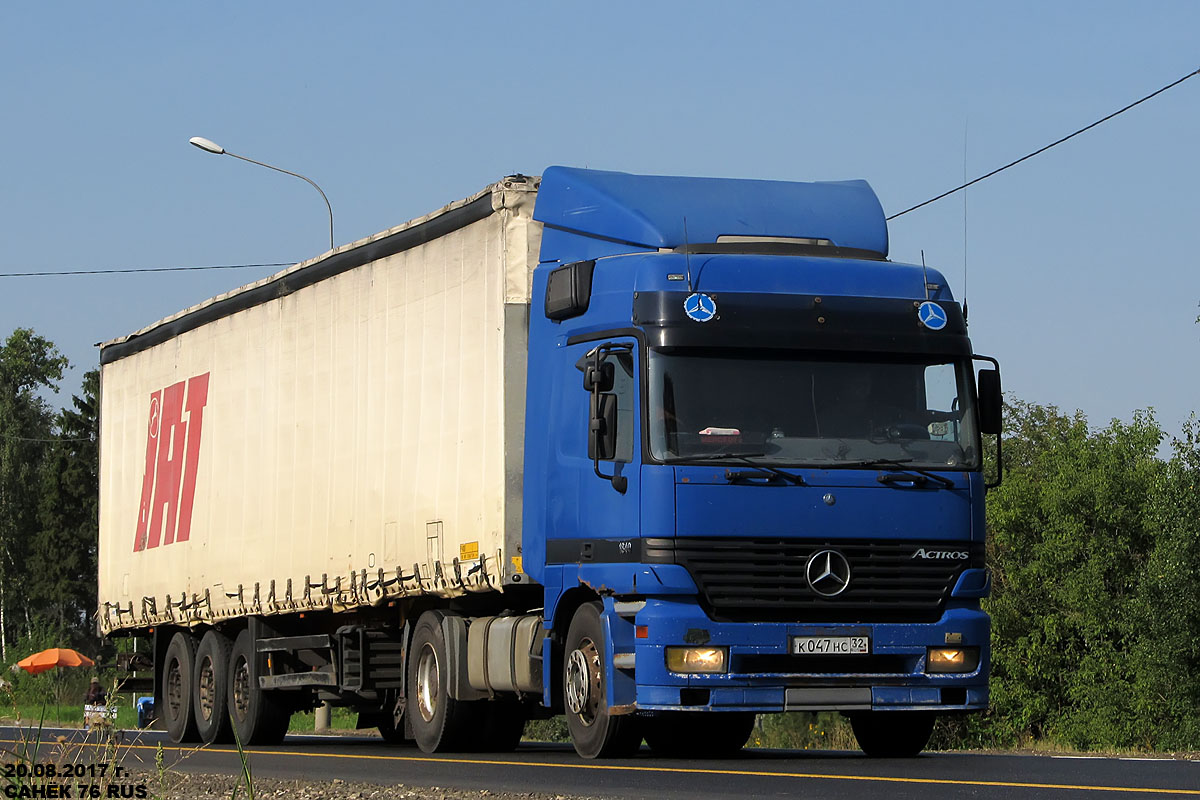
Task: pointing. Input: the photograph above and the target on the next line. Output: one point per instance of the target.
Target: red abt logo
(172, 453)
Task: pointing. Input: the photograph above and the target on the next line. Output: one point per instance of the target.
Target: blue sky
(1081, 264)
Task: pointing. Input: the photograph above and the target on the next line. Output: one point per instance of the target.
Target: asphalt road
(755, 773)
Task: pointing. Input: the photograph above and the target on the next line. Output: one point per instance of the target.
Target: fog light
(951, 659)
(690, 660)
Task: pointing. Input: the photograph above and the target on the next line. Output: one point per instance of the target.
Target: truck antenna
(687, 258)
(965, 221)
(925, 272)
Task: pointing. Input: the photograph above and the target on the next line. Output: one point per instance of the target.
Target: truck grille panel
(764, 580)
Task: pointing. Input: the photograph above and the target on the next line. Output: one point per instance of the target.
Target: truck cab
(753, 465)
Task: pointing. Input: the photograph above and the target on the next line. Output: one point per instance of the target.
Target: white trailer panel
(351, 429)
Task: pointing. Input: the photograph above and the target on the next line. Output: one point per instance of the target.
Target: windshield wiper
(761, 470)
(731, 476)
(899, 464)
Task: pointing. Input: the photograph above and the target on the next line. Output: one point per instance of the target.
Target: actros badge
(700, 307)
(931, 315)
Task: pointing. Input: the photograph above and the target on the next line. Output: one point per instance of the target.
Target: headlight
(690, 660)
(951, 659)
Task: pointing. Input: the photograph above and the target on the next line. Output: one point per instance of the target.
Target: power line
(140, 269)
(1047, 147)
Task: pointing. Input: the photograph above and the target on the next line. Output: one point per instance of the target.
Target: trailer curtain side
(346, 431)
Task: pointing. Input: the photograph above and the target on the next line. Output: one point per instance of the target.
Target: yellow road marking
(184, 752)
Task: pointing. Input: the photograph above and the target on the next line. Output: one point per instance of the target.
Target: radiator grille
(763, 580)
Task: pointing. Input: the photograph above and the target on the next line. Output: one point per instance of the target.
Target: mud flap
(618, 638)
(454, 631)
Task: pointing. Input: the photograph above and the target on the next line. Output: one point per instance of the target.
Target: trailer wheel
(439, 722)
(892, 734)
(178, 667)
(594, 731)
(210, 688)
(258, 717)
(699, 734)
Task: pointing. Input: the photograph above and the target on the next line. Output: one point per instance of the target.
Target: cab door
(593, 484)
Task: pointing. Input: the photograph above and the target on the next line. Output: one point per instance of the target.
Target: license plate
(831, 645)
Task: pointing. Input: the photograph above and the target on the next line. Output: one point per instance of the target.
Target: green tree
(1095, 555)
(29, 364)
(1070, 537)
(62, 561)
(1166, 611)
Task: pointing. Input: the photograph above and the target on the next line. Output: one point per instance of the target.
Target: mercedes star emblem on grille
(828, 573)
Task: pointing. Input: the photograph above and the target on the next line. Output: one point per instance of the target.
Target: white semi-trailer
(323, 445)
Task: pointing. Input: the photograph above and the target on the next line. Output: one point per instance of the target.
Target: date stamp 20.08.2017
(50, 781)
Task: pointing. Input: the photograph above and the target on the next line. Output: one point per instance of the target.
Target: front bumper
(764, 677)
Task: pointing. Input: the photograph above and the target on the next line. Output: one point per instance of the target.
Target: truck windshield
(803, 409)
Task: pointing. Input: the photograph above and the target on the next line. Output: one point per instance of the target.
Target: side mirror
(599, 377)
(991, 418)
(991, 402)
(602, 433)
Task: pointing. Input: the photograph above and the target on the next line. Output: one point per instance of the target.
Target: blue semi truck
(740, 472)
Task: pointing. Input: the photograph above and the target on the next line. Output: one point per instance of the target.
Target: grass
(65, 715)
(43, 768)
(341, 719)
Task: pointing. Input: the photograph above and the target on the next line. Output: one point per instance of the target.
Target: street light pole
(212, 147)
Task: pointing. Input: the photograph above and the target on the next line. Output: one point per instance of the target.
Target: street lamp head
(212, 147)
(207, 144)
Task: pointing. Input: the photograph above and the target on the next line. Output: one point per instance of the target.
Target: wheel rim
(428, 683)
(582, 684)
(241, 688)
(206, 683)
(175, 698)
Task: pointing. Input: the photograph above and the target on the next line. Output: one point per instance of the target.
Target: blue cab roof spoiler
(648, 211)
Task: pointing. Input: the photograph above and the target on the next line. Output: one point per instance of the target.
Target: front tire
(258, 717)
(892, 734)
(179, 666)
(210, 688)
(594, 731)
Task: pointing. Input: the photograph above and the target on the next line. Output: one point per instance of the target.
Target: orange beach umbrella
(54, 657)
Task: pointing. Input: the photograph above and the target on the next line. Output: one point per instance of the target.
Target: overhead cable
(1047, 147)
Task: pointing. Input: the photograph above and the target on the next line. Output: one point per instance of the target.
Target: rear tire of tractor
(594, 731)
(440, 724)
(210, 688)
(178, 712)
(892, 734)
(699, 734)
(257, 716)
